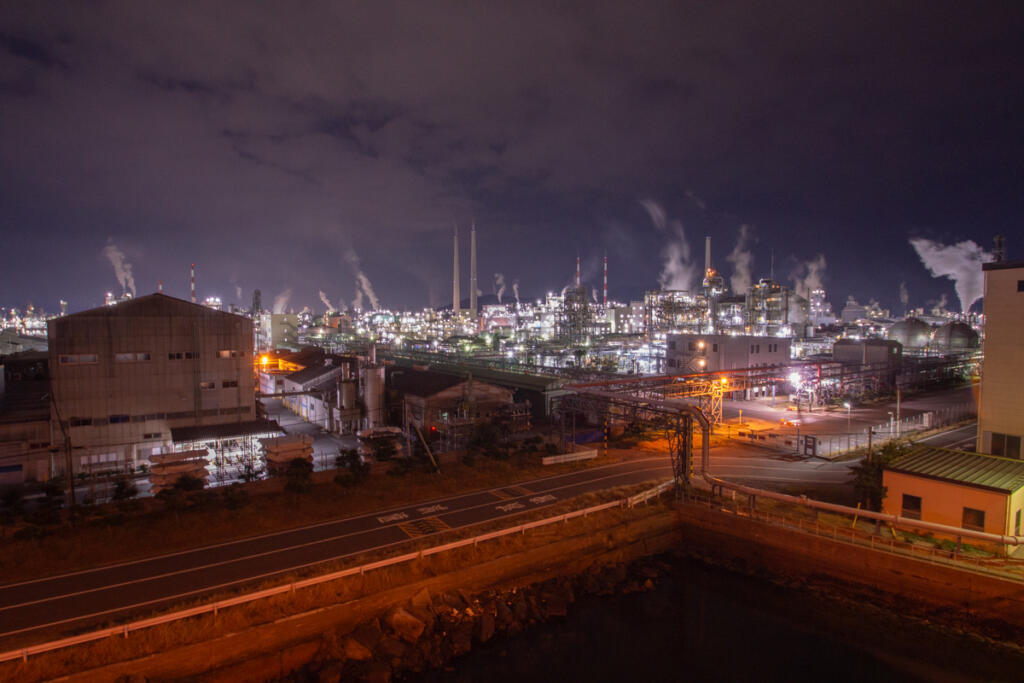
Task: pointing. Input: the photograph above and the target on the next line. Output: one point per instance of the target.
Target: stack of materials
(282, 450)
(166, 469)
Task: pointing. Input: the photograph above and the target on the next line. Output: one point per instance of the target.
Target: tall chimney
(577, 271)
(192, 281)
(455, 270)
(605, 298)
(707, 255)
(472, 270)
(159, 285)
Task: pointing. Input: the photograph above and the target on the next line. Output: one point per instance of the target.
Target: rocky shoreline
(430, 631)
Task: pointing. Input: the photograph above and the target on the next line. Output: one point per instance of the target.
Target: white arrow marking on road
(431, 509)
(508, 507)
(537, 500)
(392, 518)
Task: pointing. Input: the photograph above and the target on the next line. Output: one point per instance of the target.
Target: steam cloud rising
(960, 262)
(363, 285)
(122, 269)
(741, 259)
(515, 290)
(678, 270)
(281, 301)
(810, 276)
(499, 284)
(327, 302)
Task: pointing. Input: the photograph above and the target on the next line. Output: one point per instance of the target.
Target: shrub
(299, 476)
(235, 496)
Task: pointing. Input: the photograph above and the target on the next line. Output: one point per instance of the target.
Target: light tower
(455, 270)
(472, 270)
(192, 281)
(605, 297)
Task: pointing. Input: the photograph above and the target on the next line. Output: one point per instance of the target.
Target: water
(707, 624)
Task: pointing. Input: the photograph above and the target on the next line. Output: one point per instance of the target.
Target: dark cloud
(264, 141)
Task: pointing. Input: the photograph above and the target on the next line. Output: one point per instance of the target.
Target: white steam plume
(809, 276)
(238, 292)
(499, 284)
(305, 309)
(904, 294)
(678, 270)
(122, 269)
(327, 302)
(593, 294)
(363, 285)
(741, 259)
(960, 262)
(281, 301)
(515, 290)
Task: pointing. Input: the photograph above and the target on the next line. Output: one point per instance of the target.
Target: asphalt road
(963, 438)
(147, 584)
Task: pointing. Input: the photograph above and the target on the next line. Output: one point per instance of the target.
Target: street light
(847, 406)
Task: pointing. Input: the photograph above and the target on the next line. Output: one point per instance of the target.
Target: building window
(229, 353)
(1020, 285)
(911, 507)
(78, 358)
(229, 383)
(757, 348)
(714, 348)
(132, 357)
(152, 435)
(175, 355)
(207, 385)
(974, 519)
(672, 345)
(1006, 445)
(119, 419)
(80, 421)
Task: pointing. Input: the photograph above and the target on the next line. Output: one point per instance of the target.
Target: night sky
(275, 143)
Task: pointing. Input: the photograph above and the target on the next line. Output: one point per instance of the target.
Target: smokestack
(159, 285)
(605, 298)
(192, 281)
(472, 270)
(707, 255)
(577, 271)
(455, 270)
(1000, 252)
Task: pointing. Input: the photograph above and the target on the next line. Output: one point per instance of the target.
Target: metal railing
(215, 607)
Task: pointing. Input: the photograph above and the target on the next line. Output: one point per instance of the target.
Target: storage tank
(373, 395)
(955, 336)
(911, 332)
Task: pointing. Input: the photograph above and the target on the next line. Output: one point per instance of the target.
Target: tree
(299, 476)
(12, 504)
(124, 489)
(187, 482)
(867, 474)
(384, 449)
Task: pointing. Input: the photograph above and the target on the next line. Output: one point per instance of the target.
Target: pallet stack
(166, 468)
(280, 451)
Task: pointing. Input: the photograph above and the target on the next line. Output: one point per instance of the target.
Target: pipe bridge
(677, 419)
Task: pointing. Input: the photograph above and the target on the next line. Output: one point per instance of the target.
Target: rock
(647, 571)
(503, 615)
(405, 625)
(377, 672)
(648, 585)
(556, 607)
(356, 651)
(462, 639)
(368, 633)
(426, 616)
(520, 610)
(330, 673)
(485, 627)
(421, 599)
(453, 600)
(392, 648)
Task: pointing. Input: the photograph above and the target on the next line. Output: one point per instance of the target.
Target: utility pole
(898, 429)
(68, 460)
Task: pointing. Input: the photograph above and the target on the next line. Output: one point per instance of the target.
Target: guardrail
(215, 607)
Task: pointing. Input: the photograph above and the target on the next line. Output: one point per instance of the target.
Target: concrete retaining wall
(758, 545)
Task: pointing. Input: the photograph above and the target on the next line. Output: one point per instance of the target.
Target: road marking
(423, 527)
(431, 509)
(387, 519)
(188, 570)
(285, 532)
(509, 507)
(537, 500)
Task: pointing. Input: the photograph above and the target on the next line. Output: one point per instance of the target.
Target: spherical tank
(911, 332)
